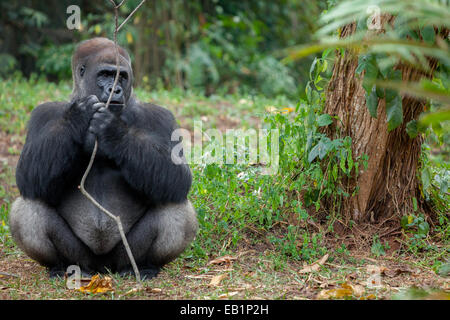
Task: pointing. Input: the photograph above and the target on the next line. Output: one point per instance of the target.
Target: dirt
(248, 275)
(252, 273)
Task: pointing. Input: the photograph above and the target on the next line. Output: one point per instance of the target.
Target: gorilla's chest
(98, 231)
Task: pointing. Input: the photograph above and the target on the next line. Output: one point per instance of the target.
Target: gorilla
(133, 175)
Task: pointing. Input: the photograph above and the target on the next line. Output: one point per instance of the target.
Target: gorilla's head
(94, 69)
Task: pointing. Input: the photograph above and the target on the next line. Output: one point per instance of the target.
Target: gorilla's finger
(101, 110)
(97, 106)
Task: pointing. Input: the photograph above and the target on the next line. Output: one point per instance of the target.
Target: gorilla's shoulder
(155, 114)
(48, 110)
(158, 110)
(51, 106)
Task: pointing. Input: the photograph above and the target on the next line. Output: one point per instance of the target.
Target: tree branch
(94, 152)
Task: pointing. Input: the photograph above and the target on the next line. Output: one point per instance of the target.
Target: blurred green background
(213, 46)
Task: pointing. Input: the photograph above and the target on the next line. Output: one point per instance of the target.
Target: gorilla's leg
(157, 238)
(45, 237)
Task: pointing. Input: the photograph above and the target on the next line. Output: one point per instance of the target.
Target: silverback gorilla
(133, 175)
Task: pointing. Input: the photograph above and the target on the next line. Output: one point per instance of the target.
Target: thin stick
(94, 152)
(129, 16)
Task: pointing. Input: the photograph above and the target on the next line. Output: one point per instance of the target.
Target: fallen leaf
(200, 276)
(358, 290)
(334, 293)
(8, 275)
(134, 290)
(215, 281)
(223, 259)
(346, 290)
(315, 266)
(98, 285)
(398, 270)
(368, 297)
(228, 295)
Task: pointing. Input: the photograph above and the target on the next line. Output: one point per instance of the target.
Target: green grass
(238, 208)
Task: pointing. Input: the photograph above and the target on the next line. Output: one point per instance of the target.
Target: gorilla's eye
(82, 69)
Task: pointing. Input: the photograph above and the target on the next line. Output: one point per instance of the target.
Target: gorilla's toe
(56, 272)
(146, 273)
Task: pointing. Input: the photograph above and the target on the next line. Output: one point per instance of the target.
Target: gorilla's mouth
(114, 102)
(116, 106)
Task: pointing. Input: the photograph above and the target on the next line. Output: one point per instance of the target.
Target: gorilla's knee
(42, 234)
(176, 227)
(28, 223)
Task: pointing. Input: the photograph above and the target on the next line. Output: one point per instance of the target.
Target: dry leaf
(346, 290)
(223, 259)
(8, 275)
(398, 270)
(134, 290)
(315, 266)
(368, 297)
(358, 290)
(228, 295)
(215, 281)
(98, 285)
(200, 276)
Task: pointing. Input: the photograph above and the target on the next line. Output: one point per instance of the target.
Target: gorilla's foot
(56, 272)
(146, 273)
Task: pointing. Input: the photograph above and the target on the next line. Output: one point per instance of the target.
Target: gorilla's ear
(82, 70)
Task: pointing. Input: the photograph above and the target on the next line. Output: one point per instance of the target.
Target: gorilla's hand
(80, 113)
(107, 126)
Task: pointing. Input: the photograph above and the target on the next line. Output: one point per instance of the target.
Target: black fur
(138, 142)
(133, 176)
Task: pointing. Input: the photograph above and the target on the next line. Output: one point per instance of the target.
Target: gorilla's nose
(117, 95)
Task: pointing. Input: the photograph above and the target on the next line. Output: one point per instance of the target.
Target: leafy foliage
(418, 33)
(211, 46)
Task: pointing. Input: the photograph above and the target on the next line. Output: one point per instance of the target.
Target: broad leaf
(324, 120)
(372, 102)
(428, 34)
(394, 112)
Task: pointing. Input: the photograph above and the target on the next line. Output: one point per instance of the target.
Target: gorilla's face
(94, 70)
(104, 76)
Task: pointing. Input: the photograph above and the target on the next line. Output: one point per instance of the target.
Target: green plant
(379, 249)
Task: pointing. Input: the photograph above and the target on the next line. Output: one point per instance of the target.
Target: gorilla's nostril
(117, 90)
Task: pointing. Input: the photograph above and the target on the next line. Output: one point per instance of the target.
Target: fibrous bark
(389, 183)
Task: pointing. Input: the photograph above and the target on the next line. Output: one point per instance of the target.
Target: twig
(130, 15)
(94, 152)
(10, 275)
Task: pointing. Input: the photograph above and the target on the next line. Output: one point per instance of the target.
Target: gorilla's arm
(50, 158)
(140, 143)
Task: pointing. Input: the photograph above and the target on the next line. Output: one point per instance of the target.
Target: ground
(252, 268)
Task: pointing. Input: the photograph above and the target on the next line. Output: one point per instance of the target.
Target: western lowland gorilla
(133, 175)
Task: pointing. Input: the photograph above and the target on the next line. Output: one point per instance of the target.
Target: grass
(254, 218)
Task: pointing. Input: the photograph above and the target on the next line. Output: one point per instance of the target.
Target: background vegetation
(210, 46)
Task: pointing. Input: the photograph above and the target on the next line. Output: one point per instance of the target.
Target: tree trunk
(389, 183)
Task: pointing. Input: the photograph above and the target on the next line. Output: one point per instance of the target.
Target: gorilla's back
(98, 231)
